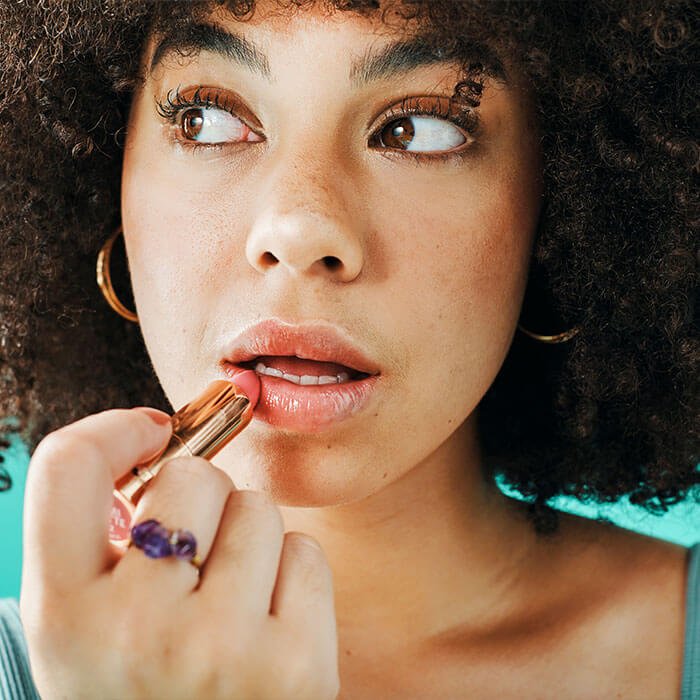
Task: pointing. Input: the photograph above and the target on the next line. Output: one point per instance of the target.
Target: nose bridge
(311, 156)
(309, 179)
(304, 221)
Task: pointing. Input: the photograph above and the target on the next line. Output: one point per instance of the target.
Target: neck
(435, 549)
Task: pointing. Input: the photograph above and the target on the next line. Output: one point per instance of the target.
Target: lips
(321, 342)
(316, 349)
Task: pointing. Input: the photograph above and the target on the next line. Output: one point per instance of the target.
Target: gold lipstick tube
(201, 428)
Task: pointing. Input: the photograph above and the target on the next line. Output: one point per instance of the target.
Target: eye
(207, 125)
(411, 133)
(425, 129)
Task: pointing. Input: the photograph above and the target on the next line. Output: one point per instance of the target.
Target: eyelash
(467, 120)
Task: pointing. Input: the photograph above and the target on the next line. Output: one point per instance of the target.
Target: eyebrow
(392, 60)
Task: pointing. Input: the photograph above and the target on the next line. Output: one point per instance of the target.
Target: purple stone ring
(157, 541)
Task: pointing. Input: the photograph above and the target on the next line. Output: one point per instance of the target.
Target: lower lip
(308, 409)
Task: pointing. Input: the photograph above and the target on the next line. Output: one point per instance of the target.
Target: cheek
(468, 251)
(168, 246)
(459, 263)
(170, 217)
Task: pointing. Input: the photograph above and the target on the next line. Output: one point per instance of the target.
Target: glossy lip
(313, 341)
(307, 409)
(295, 407)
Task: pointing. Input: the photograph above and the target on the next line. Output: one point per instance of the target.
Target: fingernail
(158, 417)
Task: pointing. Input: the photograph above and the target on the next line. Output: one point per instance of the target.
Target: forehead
(373, 48)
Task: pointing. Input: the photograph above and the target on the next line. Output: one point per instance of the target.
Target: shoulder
(602, 615)
(633, 588)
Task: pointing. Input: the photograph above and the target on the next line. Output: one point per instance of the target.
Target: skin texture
(436, 574)
(611, 413)
(392, 540)
(421, 278)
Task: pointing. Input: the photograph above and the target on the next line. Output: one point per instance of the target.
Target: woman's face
(433, 254)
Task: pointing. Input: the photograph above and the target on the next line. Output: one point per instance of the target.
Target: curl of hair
(612, 412)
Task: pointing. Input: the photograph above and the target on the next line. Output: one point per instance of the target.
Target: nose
(304, 228)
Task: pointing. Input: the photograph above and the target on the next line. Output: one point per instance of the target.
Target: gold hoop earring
(558, 338)
(105, 281)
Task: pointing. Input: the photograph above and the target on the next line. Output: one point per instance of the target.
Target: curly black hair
(612, 412)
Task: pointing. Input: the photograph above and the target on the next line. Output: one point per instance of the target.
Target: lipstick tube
(201, 428)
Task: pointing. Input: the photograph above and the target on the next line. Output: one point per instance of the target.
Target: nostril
(332, 263)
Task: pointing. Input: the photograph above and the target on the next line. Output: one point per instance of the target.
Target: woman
(494, 204)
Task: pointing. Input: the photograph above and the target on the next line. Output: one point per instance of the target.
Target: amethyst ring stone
(157, 541)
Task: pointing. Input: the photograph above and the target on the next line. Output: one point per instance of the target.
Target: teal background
(681, 524)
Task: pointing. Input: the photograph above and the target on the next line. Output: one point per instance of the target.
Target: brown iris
(398, 132)
(192, 121)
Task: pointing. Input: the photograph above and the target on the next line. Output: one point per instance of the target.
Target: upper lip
(312, 341)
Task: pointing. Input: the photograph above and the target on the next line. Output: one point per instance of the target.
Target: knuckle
(56, 442)
(200, 469)
(259, 506)
(141, 423)
(225, 480)
(305, 547)
(63, 450)
(310, 563)
(196, 467)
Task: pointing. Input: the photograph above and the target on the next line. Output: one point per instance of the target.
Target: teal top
(16, 679)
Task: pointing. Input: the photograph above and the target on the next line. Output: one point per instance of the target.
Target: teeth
(262, 369)
(305, 379)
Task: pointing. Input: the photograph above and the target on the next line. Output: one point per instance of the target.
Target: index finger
(68, 493)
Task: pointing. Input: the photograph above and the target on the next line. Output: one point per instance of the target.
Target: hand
(104, 623)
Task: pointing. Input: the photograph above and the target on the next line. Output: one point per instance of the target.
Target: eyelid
(399, 106)
(467, 121)
(232, 102)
